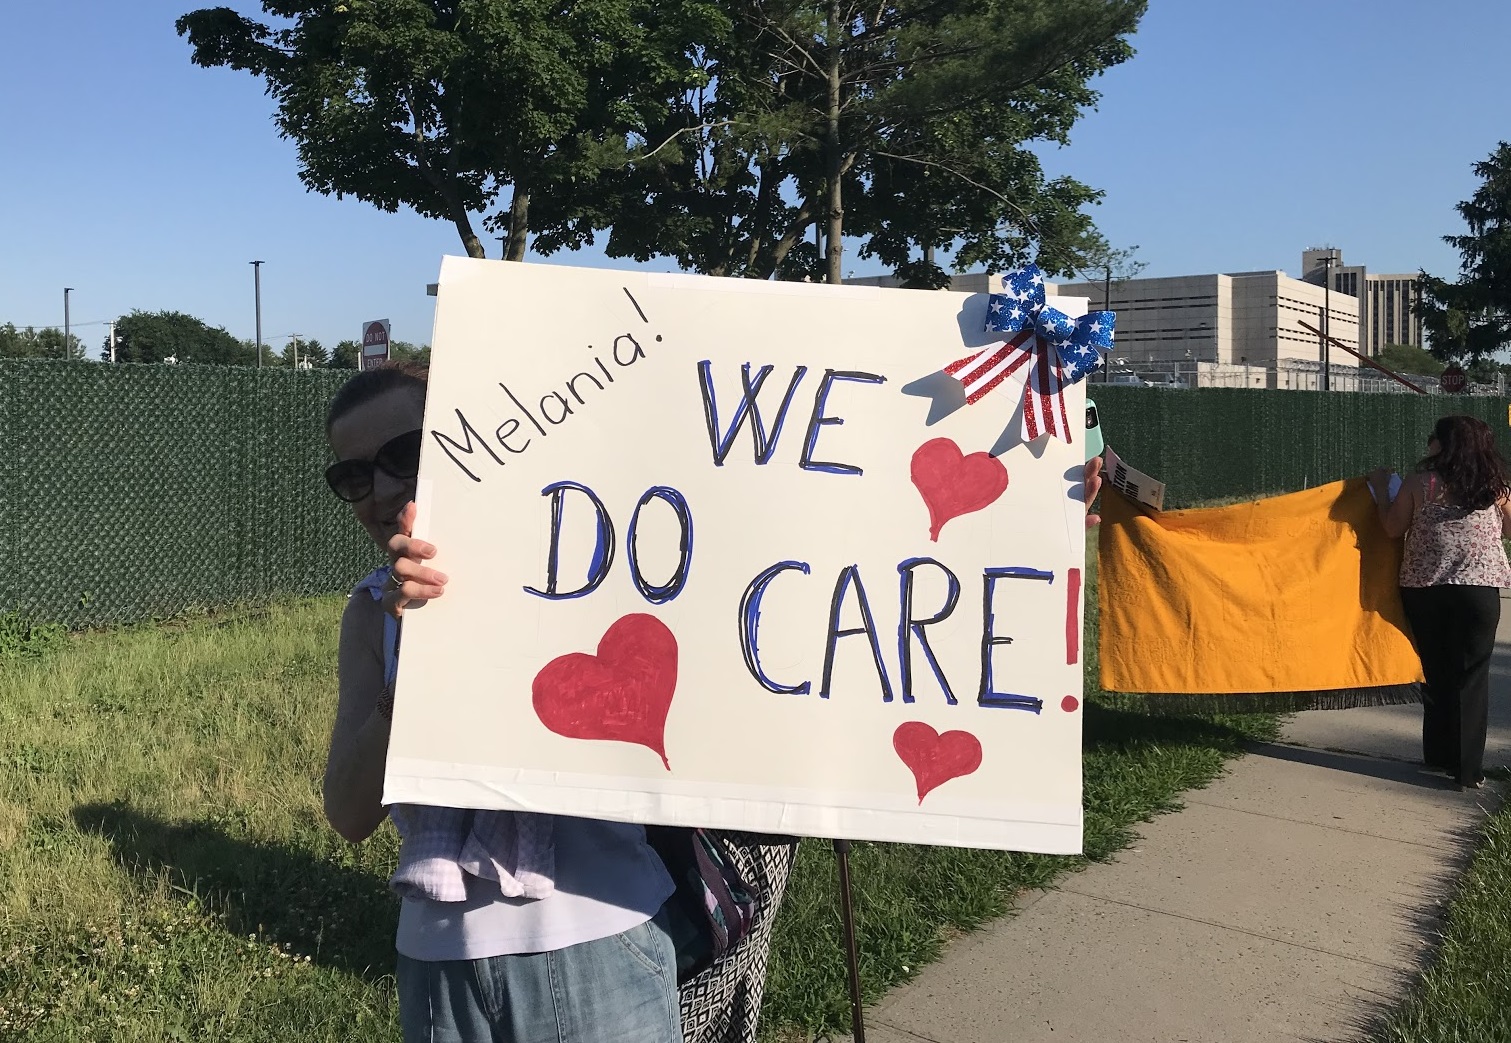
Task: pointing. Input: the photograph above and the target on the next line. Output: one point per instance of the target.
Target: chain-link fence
(139, 491)
(1218, 443)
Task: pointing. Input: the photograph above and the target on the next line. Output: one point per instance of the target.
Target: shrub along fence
(139, 491)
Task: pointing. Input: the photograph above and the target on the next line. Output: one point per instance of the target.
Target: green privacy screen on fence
(138, 491)
(134, 491)
(1220, 443)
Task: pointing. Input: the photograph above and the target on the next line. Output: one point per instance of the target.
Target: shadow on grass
(341, 916)
(1108, 726)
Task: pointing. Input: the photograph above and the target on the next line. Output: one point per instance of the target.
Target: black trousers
(1454, 632)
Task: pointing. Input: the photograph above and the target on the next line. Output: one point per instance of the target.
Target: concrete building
(1232, 330)
(1242, 318)
(1387, 303)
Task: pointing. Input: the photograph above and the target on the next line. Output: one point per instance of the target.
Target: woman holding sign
(1454, 513)
(513, 927)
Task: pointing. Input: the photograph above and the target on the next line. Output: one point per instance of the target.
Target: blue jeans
(620, 989)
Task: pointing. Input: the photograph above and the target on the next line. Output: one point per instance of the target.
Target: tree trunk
(837, 31)
(783, 246)
(470, 240)
(757, 240)
(519, 225)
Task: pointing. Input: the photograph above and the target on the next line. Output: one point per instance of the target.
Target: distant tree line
(30, 342)
(175, 338)
(1408, 358)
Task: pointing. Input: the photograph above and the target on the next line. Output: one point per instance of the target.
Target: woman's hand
(1092, 477)
(411, 581)
(1395, 515)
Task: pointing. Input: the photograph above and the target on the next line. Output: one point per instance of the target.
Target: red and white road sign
(374, 342)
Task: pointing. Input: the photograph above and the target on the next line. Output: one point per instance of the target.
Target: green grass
(165, 869)
(166, 872)
(23, 638)
(1466, 993)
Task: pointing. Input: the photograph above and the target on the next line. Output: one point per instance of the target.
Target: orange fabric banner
(1294, 594)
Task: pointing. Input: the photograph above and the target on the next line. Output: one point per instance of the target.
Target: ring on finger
(395, 581)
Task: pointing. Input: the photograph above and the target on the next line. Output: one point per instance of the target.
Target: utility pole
(257, 284)
(112, 340)
(67, 336)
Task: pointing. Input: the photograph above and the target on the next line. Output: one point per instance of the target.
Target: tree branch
(795, 45)
(1027, 220)
(677, 134)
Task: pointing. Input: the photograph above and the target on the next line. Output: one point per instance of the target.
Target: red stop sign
(1453, 380)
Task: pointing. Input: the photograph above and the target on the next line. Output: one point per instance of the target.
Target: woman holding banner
(1454, 513)
(513, 927)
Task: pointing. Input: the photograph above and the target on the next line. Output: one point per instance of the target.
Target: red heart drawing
(935, 759)
(952, 483)
(621, 694)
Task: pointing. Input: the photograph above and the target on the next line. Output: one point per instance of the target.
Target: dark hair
(1468, 462)
(371, 383)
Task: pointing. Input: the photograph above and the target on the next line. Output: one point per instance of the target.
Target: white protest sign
(710, 564)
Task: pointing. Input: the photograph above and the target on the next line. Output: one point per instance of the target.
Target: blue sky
(1240, 134)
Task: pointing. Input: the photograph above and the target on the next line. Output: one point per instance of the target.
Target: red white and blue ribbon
(1048, 352)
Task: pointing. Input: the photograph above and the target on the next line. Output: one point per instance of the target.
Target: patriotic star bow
(1048, 352)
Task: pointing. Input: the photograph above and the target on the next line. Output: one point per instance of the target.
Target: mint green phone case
(1094, 442)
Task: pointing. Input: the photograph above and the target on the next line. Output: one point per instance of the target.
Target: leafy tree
(966, 179)
(315, 352)
(154, 336)
(903, 123)
(1483, 371)
(403, 351)
(440, 104)
(1408, 358)
(32, 343)
(1471, 318)
(299, 350)
(348, 355)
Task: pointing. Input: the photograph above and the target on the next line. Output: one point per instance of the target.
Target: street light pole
(257, 285)
(67, 336)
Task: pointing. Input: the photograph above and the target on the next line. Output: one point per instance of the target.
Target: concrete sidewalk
(1293, 899)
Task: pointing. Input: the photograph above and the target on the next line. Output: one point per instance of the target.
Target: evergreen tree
(1471, 318)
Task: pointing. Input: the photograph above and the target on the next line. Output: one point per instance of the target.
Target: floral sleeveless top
(1454, 546)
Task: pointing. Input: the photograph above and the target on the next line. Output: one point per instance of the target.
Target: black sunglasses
(352, 480)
